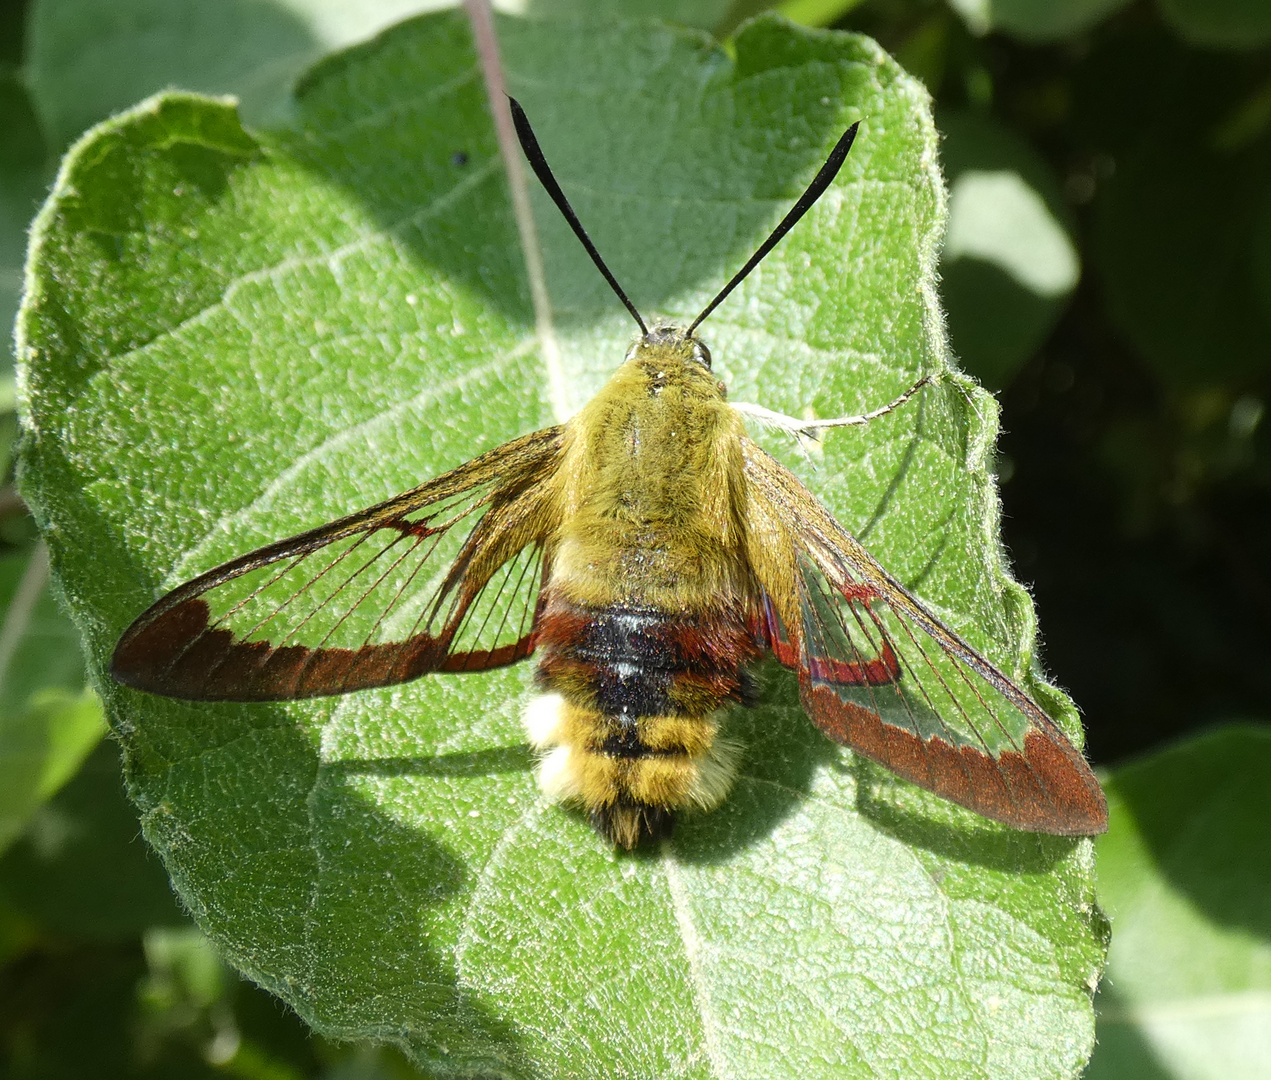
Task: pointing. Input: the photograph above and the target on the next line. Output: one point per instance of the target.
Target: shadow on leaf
(256, 832)
(781, 752)
(499, 759)
(914, 817)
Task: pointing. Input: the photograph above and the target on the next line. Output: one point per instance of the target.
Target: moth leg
(810, 430)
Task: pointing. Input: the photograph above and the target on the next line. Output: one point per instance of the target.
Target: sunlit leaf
(234, 335)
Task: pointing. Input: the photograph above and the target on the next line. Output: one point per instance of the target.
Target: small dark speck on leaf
(459, 157)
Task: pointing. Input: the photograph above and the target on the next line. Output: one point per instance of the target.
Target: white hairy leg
(811, 429)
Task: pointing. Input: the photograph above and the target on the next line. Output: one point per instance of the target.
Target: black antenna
(539, 164)
(815, 190)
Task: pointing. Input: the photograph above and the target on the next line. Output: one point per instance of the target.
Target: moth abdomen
(627, 818)
(626, 722)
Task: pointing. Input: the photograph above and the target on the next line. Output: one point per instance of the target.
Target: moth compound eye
(702, 355)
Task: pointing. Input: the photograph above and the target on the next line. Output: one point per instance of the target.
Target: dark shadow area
(72, 1011)
(13, 18)
(82, 868)
(992, 349)
(501, 759)
(78, 993)
(781, 751)
(24, 172)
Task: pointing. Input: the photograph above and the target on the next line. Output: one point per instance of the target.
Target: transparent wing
(880, 673)
(442, 578)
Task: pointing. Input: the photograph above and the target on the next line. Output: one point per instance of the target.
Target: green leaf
(235, 336)
(1009, 263)
(1222, 24)
(86, 59)
(1035, 20)
(48, 721)
(1182, 873)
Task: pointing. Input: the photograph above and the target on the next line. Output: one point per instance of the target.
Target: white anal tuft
(557, 777)
(542, 720)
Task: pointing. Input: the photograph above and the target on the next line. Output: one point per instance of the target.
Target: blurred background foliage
(1107, 270)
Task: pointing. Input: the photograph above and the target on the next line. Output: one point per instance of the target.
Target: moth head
(670, 343)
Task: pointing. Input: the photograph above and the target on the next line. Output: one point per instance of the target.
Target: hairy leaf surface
(237, 335)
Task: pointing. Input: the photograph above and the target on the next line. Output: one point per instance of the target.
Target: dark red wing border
(1044, 787)
(178, 649)
(879, 673)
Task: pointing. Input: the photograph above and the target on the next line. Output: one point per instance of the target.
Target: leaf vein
(330, 257)
(693, 945)
(332, 442)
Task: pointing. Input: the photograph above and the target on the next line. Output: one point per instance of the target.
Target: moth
(648, 552)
